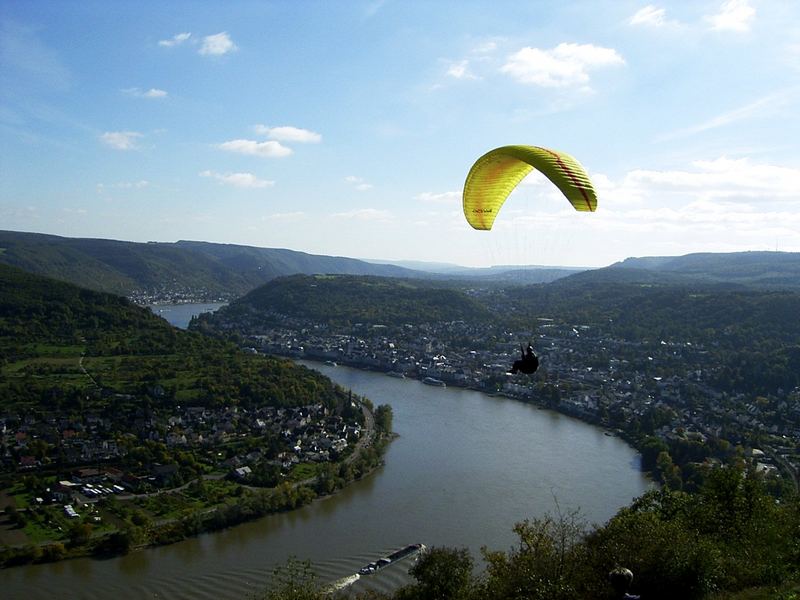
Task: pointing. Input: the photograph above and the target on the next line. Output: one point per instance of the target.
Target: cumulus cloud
(439, 198)
(563, 66)
(121, 140)
(358, 183)
(175, 40)
(217, 44)
(152, 93)
(269, 149)
(240, 180)
(734, 15)
(365, 214)
(288, 133)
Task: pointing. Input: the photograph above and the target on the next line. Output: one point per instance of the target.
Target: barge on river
(398, 555)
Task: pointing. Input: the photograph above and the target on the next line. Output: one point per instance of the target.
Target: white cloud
(152, 93)
(217, 44)
(440, 198)
(460, 70)
(358, 183)
(240, 180)
(270, 149)
(565, 65)
(155, 93)
(722, 178)
(717, 205)
(365, 214)
(734, 15)
(121, 140)
(175, 40)
(288, 133)
(651, 16)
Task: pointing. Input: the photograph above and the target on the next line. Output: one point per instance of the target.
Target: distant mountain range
(208, 270)
(757, 270)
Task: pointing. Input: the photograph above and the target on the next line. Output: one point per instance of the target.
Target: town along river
(465, 468)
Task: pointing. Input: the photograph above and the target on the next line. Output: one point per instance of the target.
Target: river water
(465, 468)
(180, 314)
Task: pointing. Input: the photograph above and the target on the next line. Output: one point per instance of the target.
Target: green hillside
(69, 348)
(345, 299)
(196, 269)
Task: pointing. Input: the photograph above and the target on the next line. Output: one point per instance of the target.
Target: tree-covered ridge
(39, 309)
(779, 270)
(61, 344)
(343, 300)
(194, 269)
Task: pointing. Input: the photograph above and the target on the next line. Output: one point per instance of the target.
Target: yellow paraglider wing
(495, 174)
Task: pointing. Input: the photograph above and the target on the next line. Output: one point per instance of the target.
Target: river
(464, 469)
(180, 314)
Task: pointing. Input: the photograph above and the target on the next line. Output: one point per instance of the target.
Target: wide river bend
(465, 468)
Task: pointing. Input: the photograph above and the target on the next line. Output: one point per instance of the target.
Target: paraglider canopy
(495, 175)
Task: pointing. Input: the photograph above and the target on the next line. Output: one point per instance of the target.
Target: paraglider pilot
(528, 363)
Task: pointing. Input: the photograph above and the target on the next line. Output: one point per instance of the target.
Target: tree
(441, 574)
(15, 516)
(546, 564)
(118, 542)
(294, 581)
(383, 418)
(79, 533)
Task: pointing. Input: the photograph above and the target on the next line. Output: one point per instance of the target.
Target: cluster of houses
(175, 294)
(311, 433)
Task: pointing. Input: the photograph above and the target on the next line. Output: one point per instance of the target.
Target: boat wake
(342, 583)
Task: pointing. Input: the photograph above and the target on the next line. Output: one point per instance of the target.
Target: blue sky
(347, 128)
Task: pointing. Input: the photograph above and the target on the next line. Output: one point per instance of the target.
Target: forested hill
(199, 268)
(755, 270)
(66, 348)
(37, 309)
(635, 311)
(348, 299)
